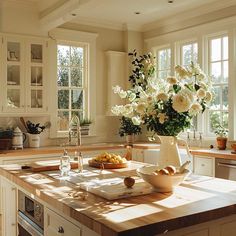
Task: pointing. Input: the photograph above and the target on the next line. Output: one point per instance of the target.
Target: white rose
(171, 80)
(136, 120)
(188, 93)
(181, 103)
(201, 93)
(123, 94)
(162, 96)
(208, 97)
(149, 99)
(195, 109)
(181, 71)
(202, 85)
(162, 117)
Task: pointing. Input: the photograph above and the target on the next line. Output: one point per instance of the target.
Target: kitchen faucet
(75, 131)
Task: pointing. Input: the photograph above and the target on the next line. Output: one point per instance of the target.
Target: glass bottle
(79, 159)
(65, 164)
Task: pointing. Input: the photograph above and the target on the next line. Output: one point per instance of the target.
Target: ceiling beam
(59, 13)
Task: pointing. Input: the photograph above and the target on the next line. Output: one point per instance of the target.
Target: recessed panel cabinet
(23, 75)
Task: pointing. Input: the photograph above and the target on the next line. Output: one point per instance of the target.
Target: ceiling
(119, 13)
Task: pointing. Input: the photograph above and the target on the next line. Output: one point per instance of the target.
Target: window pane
(225, 72)
(63, 99)
(216, 49)
(168, 58)
(76, 77)
(216, 71)
(216, 100)
(225, 119)
(162, 62)
(162, 74)
(225, 48)
(77, 99)
(187, 54)
(77, 56)
(195, 52)
(63, 76)
(225, 98)
(63, 121)
(63, 55)
(214, 120)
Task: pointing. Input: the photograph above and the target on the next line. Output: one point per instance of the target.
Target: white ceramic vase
(34, 140)
(169, 151)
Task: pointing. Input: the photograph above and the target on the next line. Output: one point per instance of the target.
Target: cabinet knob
(60, 230)
(203, 165)
(13, 189)
(13, 224)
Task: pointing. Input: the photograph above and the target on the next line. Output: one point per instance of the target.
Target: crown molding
(19, 3)
(211, 9)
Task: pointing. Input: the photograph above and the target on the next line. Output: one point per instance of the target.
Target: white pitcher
(169, 151)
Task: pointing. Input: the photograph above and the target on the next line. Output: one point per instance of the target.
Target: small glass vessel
(65, 164)
(79, 159)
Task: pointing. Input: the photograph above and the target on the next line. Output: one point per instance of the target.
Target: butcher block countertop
(199, 199)
(109, 146)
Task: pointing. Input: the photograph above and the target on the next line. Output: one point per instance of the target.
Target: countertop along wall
(19, 18)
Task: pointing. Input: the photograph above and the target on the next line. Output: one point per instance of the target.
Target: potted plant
(84, 126)
(222, 134)
(33, 133)
(128, 129)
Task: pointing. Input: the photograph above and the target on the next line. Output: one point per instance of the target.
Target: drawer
(56, 225)
(204, 166)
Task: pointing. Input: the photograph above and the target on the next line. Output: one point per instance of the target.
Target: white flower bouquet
(167, 106)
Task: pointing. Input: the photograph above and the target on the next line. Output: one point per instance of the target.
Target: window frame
(72, 36)
(70, 88)
(207, 41)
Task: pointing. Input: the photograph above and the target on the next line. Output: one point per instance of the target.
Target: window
(163, 63)
(189, 52)
(72, 92)
(218, 68)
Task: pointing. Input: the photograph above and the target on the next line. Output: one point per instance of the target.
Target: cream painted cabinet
(138, 154)
(9, 208)
(24, 73)
(55, 225)
(204, 165)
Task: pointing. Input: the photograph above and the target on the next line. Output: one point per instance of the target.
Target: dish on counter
(160, 180)
(108, 161)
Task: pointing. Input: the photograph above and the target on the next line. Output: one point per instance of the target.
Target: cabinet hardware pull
(13, 224)
(60, 230)
(227, 165)
(13, 188)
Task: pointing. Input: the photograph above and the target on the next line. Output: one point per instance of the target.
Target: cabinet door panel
(56, 225)
(228, 229)
(203, 166)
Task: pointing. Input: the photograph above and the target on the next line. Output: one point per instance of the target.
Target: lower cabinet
(204, 165)
(8, 208)
(138, 154)
(55, 225)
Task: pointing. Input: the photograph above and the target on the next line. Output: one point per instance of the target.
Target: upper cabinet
(24, 75)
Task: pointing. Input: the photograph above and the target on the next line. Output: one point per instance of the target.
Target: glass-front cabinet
(24, 75)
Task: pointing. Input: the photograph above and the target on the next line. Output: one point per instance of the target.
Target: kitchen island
(199, 206)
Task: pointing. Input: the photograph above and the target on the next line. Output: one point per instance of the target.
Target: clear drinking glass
(65, 164)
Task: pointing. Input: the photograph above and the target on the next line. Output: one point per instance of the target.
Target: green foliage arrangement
(127, 127)
(34, 128)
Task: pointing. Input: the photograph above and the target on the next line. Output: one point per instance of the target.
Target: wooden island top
(199, 199)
